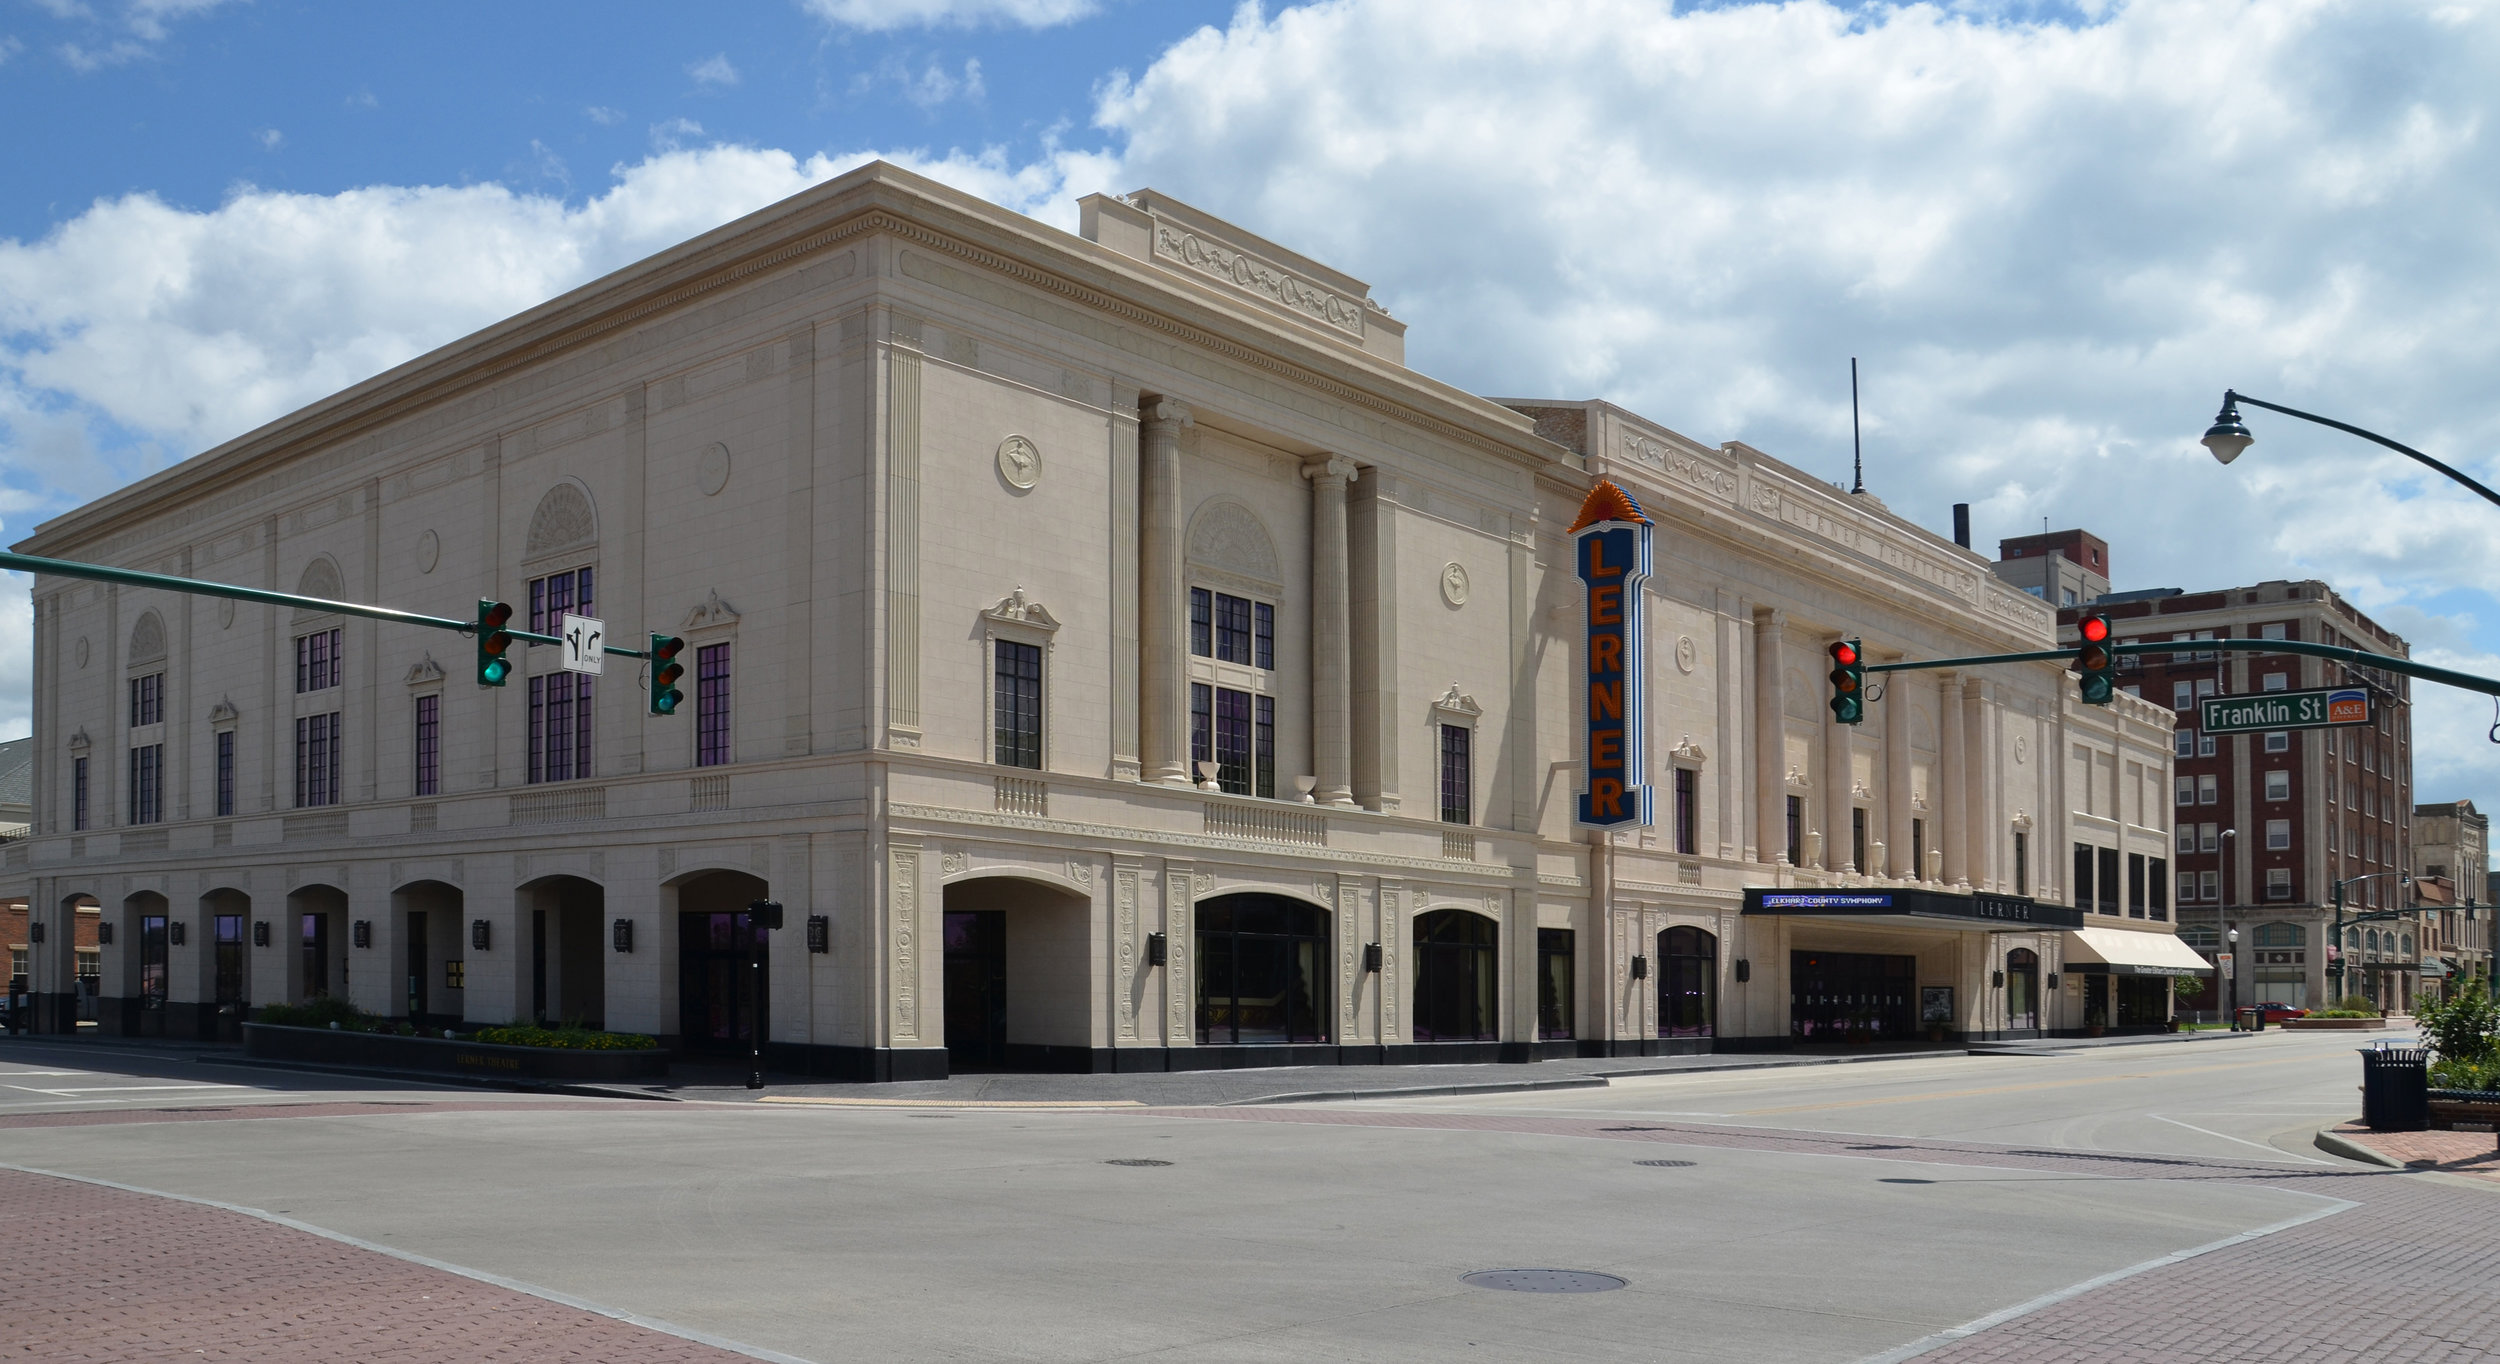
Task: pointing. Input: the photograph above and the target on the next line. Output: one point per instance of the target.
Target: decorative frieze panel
(1271, 282)
(903, 902)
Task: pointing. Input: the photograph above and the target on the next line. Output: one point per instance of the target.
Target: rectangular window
(2182, 694)
(2278, 835)
(1201, 729)
(1554, 981)
(317, 760)
(2274, 631)
(2204, 687)
(2187, 838)
(2209, 885)
(1687, 811)
(2083, 876)
(1796, 831)
(1016, 705)
(2277, 682)
(225, 772)
(2278, 883)
(2183, 743)
(147, 699)
(2187, 789)
(1223, 731)
(77, 793)
(2109, 881)
(2135, 885)
(2158, 882)
(711, 707)
(2278, 741)
(1263, 635)
(1232, 629)
(1457, 785)
(2208, 789)
(317, 662)
(147, 783)
(2022, 863)
(2209, 838)
(556, 594)
(229, 959)
(429, 745)
(1202, 622)
(1264, 747)
(2205, 745)
(559, 727)
(2279, 784)
(2187, 887)
(1918, 850)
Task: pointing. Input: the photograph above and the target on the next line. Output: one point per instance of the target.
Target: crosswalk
(41, 1083)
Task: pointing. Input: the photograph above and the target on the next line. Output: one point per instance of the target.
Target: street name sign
(2257, 711)
(583, 638)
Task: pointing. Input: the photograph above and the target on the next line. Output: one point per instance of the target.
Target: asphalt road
(1784, 1230)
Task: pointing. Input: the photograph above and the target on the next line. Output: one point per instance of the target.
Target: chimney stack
(1961, 524)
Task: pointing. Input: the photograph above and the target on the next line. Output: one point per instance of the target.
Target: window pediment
(1018, 610)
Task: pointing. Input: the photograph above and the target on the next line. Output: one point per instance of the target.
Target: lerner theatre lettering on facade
(1611, 545)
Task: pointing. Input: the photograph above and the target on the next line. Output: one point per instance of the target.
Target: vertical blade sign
(1611, 544)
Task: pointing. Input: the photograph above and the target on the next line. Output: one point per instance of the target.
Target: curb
(430, 1078)
(1420, 1091)
(2349, 1149)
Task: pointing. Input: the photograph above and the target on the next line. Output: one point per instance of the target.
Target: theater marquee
(1611, 543)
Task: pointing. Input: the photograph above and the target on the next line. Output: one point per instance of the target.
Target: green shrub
(321, 1011)
(2345, 1013)
(2465, 1075)
(572, 1037)
(2460, 1028)
(2359, 1004)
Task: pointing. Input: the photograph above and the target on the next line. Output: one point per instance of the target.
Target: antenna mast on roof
(1857, 451)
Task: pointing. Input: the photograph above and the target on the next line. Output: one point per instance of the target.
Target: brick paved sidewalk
(2456, 1153)
(94, 1273)
(2403, 1275)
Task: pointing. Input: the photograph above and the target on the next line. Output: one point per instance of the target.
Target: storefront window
(1454, 977)
(1262, 971)
(2022, 988)
(1555, 1012)
(1688, 983)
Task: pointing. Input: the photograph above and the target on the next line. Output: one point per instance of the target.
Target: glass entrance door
(718, 987)
(976, 989)
(2022, 989)
(153, 975)
(1836, 995)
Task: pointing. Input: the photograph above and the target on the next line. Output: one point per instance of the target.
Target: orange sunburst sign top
(1606, 502)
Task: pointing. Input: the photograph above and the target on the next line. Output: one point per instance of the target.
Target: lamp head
(2235, 935)
(2227, 437)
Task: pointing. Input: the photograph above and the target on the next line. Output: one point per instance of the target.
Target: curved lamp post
(2228, 436)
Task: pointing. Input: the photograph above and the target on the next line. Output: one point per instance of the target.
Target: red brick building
(2267, 824)
(13, 931)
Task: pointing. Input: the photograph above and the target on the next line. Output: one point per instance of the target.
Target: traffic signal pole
(2360, 657)
(198, 587)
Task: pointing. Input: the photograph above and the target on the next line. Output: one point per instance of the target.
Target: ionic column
(1770, 739)
(1332, 672)
(1162, 630)
(1952, 778)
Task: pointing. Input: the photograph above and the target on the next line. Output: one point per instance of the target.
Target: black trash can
(2251, 1019)
(2396, 1089)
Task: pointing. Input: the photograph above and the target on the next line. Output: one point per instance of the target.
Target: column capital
(1161, 409)
(1769, 618)
(1326, 468)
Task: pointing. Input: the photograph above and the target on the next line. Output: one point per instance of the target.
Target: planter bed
(321, 1046)
(2333, 1024)
(2476, 1110)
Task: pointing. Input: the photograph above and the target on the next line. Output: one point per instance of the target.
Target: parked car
(2276, 1013)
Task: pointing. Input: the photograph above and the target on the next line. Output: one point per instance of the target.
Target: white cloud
(714, 70)
(669, 134)
(930, 86)
(878, 16)
(126, 33)
(270, 139)
(604, 116)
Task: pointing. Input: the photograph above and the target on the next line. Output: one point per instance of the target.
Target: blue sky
(2053, 233)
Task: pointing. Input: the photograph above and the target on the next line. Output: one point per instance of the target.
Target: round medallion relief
(1020, 463)
(711, 469)
(78, 651)
(1454, 585)
(1686, 655)
(2022, 748)
(429, 551)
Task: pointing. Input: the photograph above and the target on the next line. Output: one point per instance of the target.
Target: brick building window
(2278, 835)
(2279, 784)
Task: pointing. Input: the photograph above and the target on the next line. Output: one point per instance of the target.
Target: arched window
(2022, 988)
(1262, 970)
(1454, 977)
(2408, 947)
(2281, 935)
(1688, 983)
(2371, 939)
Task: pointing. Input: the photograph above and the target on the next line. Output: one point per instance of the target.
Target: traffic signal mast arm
(2361, 657)
(131, 577)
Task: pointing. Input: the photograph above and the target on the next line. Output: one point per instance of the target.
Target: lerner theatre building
(1110, 654)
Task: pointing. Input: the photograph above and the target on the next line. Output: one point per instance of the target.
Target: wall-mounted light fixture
(621, 935)
(1997, 979)
(819, 933)
(177, 932)
(481, 933)
(34, 931)
(1744, 970)
(104, 933)
(1158, 949)
(1640, 968)
(260, 932)
(2052, 980)
(361, 933)
(1371, 958)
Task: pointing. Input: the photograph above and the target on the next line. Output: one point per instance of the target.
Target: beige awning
(2130, 952)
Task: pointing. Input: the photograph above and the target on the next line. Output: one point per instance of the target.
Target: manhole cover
(1665, 1164)
(1542, 1280)
(1137, 1162)
(1905, 1181)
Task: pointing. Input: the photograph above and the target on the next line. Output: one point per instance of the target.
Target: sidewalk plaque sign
(1611, 546)
(582, 640)
(2255, 712)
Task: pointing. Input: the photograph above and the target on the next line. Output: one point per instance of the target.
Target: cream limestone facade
(1111, 654)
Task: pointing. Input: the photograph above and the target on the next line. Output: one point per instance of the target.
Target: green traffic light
(495, 671)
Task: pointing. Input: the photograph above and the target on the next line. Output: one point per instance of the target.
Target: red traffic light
(1844, 653)
(2094, 629)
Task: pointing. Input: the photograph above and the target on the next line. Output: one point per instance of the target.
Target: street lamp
(2233, 952)
(2222, 907)
(2228, 437)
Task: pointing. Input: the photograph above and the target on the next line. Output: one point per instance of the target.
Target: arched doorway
(1263, 976)
(144, 984)
(433, 973)
(567, 974)
(1688, 983)
(225, 981)
(720, 994)
(1017, 972)
(1456, 981)
(2022, 990)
